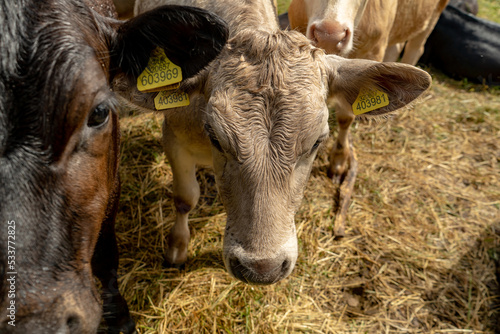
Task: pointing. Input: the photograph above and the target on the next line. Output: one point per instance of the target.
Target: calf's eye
(316, 145)
(213, 137)
(99, 116)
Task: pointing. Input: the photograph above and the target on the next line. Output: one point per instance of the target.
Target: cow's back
(388, 22)
(464, 46)
(413, 17)
(239, 14)
(371, 35)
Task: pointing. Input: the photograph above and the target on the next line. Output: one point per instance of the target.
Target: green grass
(489, 9)
(283, 6)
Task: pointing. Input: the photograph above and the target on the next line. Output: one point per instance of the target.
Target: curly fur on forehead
(268, 94)
(276, 56)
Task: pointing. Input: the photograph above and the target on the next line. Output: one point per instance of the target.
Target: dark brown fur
(59, 153)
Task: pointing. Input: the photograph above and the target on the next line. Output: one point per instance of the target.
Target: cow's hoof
(338, 171)
(178, 266)
(339, 229)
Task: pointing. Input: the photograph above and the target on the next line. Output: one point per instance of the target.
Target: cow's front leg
(393, 52)
(343, 168)
(415, 47)
(342, 198)
(340, 153)
(186, 192)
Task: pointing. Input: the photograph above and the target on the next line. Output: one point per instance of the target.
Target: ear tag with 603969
(163, 76)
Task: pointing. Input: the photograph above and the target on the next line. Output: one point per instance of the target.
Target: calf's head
(266, 116)
(329, 24)
(59, 145)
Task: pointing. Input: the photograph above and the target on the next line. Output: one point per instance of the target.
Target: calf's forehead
(271, 75)
(269, 108)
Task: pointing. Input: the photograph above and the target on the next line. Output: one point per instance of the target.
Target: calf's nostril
(237, 269)
(73, 324)
(347, 34)
(285, 266)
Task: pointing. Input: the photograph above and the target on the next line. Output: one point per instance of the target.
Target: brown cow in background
(368, 29)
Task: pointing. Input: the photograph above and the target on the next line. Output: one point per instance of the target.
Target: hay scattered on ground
(422, 246)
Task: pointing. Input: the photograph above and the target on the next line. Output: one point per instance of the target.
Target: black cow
(464, 46)
(59, 144)
(284, 21)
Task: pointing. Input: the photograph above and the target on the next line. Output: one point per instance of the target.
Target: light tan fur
(257, 115)
(384, 25)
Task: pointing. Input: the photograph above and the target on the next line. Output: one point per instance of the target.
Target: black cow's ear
(191, 38)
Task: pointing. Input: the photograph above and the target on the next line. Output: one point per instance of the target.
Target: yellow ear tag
(167, 99)
(159, 72)
(369, 100)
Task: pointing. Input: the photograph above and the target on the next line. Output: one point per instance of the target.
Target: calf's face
(59, 145)
(266, 117)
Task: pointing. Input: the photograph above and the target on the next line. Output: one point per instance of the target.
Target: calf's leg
(415, 47)
(343, 168)
(393, 51)
(339, 155)
(186, 194)
(342, 198)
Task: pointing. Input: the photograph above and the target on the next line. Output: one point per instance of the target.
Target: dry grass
(422, 246)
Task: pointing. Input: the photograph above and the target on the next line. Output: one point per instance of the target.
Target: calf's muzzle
(261, 267)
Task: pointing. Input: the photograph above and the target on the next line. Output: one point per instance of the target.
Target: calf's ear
(402, 83)
(191, 38)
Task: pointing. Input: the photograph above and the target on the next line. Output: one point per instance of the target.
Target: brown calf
(368, 29)
(258, 114)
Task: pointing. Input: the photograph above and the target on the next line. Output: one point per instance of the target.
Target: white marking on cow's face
(332, 23)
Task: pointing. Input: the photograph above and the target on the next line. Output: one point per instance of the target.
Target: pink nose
(331, 36)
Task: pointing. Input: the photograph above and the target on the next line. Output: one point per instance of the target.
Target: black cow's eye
(99, 116)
